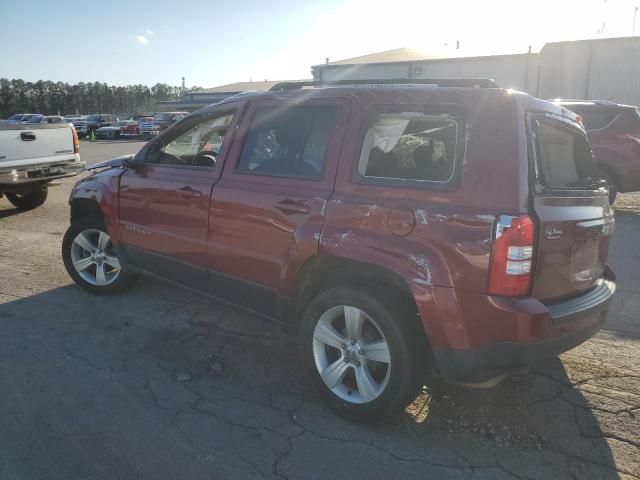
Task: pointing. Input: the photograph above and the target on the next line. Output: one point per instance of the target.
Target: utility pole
(635, 12)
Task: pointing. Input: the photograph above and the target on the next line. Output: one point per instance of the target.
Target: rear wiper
(588, 182)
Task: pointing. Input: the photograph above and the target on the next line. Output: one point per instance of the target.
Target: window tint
(288, 142)
(410, 147)
(564, 156)
(197, 146)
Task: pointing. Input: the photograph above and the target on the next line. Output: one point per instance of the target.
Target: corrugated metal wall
(605, 69)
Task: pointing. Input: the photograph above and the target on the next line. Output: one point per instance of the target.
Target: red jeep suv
(399, 227)
(614, 134)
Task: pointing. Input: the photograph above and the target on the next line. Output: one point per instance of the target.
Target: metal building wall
(605, 69)
(519, 72)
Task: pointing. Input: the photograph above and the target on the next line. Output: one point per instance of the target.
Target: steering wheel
(206, 158)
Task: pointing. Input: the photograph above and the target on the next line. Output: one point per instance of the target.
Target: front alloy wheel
(93, 257)
(91, 260)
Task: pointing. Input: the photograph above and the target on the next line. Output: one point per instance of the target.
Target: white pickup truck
(31, 156)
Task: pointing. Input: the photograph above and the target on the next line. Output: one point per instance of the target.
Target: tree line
(59, 98)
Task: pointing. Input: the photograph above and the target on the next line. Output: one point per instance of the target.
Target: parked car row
(104, 125)
(33, 118)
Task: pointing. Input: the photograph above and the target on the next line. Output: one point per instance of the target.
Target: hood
(113, 163)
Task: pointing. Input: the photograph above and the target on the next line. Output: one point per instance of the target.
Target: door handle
(188, 192)
(289, 206)
(28, 136)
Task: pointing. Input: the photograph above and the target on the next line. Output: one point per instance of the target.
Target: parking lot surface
(161, 383)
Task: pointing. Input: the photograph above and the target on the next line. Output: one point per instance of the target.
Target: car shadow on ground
(9, 212)
(86, 378)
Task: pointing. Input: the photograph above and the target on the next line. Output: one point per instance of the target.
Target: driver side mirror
(131, 162)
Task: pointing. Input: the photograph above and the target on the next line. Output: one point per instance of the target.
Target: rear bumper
(27, 174)
(561, 326)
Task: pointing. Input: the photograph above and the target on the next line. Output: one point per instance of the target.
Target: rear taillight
(512, 256)
(76, 142)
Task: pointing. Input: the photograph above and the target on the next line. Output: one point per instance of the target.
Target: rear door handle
(289, 206)
(28, 136)
(188, 192)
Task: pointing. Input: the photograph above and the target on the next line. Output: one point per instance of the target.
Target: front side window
(288, 141)
(409, 146)
(198, 146)
(564, 156)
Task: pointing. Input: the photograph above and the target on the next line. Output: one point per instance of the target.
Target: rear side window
(288, 141)
(409, 147)
(563, 154)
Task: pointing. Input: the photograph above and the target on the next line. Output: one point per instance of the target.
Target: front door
(164, 202)
(268, 207)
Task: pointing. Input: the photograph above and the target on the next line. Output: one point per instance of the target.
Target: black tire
(397, 322)
(122, 281)
(29, 199)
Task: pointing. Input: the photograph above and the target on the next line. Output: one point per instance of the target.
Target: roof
(407, 55)
(396, 55)
(238, 87)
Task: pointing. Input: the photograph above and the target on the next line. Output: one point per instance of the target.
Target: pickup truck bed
(31, 156)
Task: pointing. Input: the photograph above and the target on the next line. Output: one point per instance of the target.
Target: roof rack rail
(440, 82)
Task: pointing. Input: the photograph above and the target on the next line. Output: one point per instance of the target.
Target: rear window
(563, 155)
(409, 146)
(594, 118)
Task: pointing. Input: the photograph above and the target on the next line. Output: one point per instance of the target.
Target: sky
(213, 42)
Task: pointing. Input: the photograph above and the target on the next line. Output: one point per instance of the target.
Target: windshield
(92, 118)
(15, 116)
(162, 117)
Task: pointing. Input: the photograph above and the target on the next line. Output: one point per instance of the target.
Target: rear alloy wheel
(363, 352)
(91, 260)
(30, 199)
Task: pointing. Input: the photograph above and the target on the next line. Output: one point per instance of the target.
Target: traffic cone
(92, 136)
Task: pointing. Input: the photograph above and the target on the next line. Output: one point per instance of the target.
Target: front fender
(98, 190)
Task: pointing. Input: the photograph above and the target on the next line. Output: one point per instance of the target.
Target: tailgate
(573, 241)
(574, 219)
(30, 142)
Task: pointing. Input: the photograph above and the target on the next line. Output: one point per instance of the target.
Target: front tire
(364, 352)
(91, 260)
(29, 199)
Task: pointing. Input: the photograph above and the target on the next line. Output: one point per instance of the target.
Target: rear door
(269, 206)
(574, 216)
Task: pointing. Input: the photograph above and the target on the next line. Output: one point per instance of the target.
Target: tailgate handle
(288, 206)
(28, 136)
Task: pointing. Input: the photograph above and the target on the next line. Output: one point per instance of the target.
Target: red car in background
(160, 122)
(614, 133)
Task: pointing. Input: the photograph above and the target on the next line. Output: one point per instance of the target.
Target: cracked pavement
(162, 383)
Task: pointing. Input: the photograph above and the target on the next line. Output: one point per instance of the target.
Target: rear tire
(90, 259)
(29, 199)
(352, 382)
